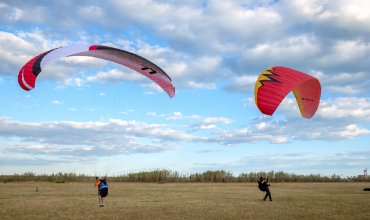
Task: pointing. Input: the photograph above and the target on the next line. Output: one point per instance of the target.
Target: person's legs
(101, 201)
(100, 198)
(268, 193)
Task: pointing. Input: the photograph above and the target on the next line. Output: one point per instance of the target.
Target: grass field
(184, 201)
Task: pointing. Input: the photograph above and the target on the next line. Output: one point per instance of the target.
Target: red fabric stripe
(93, 47)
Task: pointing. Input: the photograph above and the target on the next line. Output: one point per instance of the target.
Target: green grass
(184, 201)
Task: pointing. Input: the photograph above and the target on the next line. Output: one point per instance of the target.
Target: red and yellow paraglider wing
(308, 97)
(274, 84)
(271, 88)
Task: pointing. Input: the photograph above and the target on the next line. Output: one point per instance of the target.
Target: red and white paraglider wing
(29, 72)
(132, 61)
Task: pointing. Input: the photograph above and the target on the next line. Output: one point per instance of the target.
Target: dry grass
(184, 201)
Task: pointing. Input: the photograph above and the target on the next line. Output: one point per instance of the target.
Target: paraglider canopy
(274, 83)
(29, 72)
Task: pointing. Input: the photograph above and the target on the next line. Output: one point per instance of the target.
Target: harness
(103, 185)
(262, 186)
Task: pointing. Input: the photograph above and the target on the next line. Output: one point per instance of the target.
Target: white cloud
(344, 14)
(307, 9)
(196, 122)
(242, 84)
(111, 137)
(12, 14)
(210, 123)
(351, 109)
(305, 163)
(347, 83)
(74, 81)
(151, 114)
(347, 90)
(87, 11)
(215, 120)
(207, 64)
(9, 13)
(175, 116)
(244, 135)
(153, 87)
(114, 76)
(352, 131)
(14, 52)
(57, 102)
(206, 127)
(336, 119)
(261, 126)
(346, 52)
(200, 85)
(292, 48)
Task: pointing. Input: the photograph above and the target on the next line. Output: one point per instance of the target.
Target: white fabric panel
(63, 52)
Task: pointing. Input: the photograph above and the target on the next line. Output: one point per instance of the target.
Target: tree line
(168, 176)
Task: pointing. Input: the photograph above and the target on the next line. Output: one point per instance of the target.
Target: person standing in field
(264, 185)
(102, 185)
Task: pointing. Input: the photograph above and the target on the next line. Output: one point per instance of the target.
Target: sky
(89, 116)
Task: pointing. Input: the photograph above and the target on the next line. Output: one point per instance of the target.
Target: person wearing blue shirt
(102, 185)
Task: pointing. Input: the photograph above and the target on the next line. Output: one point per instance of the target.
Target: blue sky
(90, 116)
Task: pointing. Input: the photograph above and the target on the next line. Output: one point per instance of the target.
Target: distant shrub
(167, 176)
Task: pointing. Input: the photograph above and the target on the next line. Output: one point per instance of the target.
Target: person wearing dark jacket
(264, 185)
